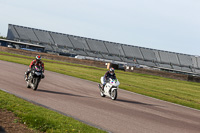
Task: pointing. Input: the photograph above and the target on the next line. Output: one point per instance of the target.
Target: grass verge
(42, 119)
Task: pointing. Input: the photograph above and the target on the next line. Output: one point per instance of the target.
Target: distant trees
(1, 37)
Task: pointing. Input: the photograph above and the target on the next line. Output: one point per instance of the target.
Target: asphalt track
(130, 113)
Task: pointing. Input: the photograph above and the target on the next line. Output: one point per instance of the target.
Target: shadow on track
(2, 130)
(62, 93)
(135, 102)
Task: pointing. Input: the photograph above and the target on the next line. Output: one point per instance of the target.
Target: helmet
(38, 58)
(111, 71)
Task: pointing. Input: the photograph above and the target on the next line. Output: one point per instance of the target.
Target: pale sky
(170, 25)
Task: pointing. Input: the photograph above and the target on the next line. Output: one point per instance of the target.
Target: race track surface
(130, 113)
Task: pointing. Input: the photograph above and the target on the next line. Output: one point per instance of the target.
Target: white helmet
(38, 58)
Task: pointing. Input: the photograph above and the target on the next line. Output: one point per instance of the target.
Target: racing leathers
(32, 64)
(106, 77)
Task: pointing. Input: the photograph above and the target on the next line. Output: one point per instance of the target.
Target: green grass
(176, 91)
(42, 119)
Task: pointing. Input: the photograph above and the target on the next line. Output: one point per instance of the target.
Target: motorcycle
(110, 89)
(34, 77)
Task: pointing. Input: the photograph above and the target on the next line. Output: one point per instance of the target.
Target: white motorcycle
(110, 88)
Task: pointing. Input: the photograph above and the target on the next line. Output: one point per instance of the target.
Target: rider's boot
(26, 76)
(103, 87)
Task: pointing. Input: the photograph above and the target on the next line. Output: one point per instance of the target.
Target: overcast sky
(170, 25)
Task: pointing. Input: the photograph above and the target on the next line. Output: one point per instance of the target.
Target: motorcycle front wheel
(35, 84)
(113, 94)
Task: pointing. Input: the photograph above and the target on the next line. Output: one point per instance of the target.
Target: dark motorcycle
(34, 77)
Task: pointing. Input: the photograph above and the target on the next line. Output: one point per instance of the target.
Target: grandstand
(65, 44)
(21, 45)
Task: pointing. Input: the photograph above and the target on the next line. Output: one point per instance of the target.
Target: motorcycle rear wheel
(27, 84)
(102, 94)
(101, 91)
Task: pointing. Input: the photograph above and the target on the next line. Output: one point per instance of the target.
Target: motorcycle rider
(108, 74)
(36, 62)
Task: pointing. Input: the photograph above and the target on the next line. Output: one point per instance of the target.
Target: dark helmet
(111, 71)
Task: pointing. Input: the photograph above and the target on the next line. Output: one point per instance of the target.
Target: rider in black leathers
(108, 74)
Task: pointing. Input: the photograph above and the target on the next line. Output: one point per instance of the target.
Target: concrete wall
(163, 74)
